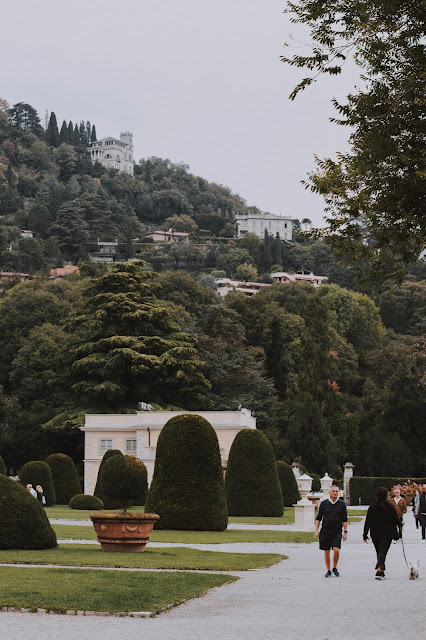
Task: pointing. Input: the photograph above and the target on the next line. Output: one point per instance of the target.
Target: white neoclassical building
(273, 224)
(137, 435)
(113, 153)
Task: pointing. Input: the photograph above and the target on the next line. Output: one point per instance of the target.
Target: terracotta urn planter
(123, 531)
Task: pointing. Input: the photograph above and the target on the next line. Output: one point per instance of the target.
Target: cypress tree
(187, 490)
(93, 137)
(52, 132)
(252, 485)
(65, 477)
(76, 135)
(70, 133)
(82, 133)
(88, 131)
(63, 135)
(288, 483)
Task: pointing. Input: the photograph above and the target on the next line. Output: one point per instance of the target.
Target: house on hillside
(114, 153)
(225, 285)
(168, 236)
(259, 223)
(63, 272)
(137, 435)
(299, 276)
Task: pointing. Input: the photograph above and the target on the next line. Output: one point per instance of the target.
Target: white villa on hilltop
(258, 223)
(137, 434)
(113, 153)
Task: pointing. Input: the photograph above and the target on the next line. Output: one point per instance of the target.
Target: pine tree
(93, 137)
(70, 133)
(52, 133)
(63, 136)
(88, 131)
(76, 135)
(82, 132)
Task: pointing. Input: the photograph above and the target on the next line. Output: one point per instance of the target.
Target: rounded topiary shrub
(288, 483)
(65, 477)
(37, 472)
(187, 490)
(86, 501)
(124, 479)
(24, 524)
(252, 485)
(109, 503)
(2, 466)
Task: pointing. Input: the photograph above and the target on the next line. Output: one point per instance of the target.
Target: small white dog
(414, 570)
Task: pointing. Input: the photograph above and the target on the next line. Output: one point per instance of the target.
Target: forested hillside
(331, 373)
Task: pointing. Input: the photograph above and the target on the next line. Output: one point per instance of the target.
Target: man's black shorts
(329, 540)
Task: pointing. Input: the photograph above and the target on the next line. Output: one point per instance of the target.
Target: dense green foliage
(36, 472)
(187, 490)
(374, 193)
(2, 466)
(363, 489)
(109, 503)
(24, 523)
(124, 478)
(86, 501)
(288, 483)
(252, 483)
(65, 477)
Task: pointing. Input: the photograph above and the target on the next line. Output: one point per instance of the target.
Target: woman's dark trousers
(381, 543)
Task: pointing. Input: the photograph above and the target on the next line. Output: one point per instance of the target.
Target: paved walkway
(291, 600)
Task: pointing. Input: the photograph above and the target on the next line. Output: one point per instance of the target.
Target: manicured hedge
(65, 477)
(109, 503)
(365, 487)
(2, 466)
(24, 524)
(187, 490)
(37, 472)
(288, 483)
(124, 479)
(252, 484)
(86, 501)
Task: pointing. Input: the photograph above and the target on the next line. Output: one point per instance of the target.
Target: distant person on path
(416, 497)
(40, 495)
(384, 525)
(399, 503)
(333, 516)
(31, 490)
(421, 511)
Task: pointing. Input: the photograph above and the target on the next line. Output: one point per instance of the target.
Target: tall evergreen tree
(24, 116)
(52, 132)
(82, 132)
(76, 135)
(70, 133)
(93, 137)
(63, 135)
(88, 131)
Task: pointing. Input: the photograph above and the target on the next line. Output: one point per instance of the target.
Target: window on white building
(131, 447)
(105, 445)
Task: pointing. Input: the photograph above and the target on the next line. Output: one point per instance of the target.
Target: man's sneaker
(327, 575)
(336, 573)
(423, 540)
(380, 575)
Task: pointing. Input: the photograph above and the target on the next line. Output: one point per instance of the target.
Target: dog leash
(403, 551)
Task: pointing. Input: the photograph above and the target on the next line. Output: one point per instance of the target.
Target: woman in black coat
(383, 523)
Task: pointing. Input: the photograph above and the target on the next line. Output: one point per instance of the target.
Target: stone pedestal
(304, 512)
(348, 472)
(296, 469)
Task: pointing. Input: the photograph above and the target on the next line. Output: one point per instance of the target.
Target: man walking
(421, 511)
(333, 516)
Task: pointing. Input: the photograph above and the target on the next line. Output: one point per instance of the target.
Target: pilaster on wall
(348, 472)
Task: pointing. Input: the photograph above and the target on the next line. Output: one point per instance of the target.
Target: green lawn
(357, 512)
(76, 532)
(64, 512)
(95, 590)
(164, 558)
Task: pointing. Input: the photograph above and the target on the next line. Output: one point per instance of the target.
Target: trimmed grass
(65, 512)
(353, 519)
(76, 532)
(357, 512)
(95, 590)
(165, 558)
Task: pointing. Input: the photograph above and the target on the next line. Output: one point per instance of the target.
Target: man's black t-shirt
(332, 515)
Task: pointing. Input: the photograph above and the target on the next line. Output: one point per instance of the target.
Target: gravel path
(290, 600)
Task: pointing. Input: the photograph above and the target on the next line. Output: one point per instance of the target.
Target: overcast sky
(196, 81)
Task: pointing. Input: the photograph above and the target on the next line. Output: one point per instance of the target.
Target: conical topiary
(2, 466)
(109, 503)
(24, 524)
(35, 473)
(252, 485)
(187, 490)
(124, 479)
(288, 483)
(65, 477)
